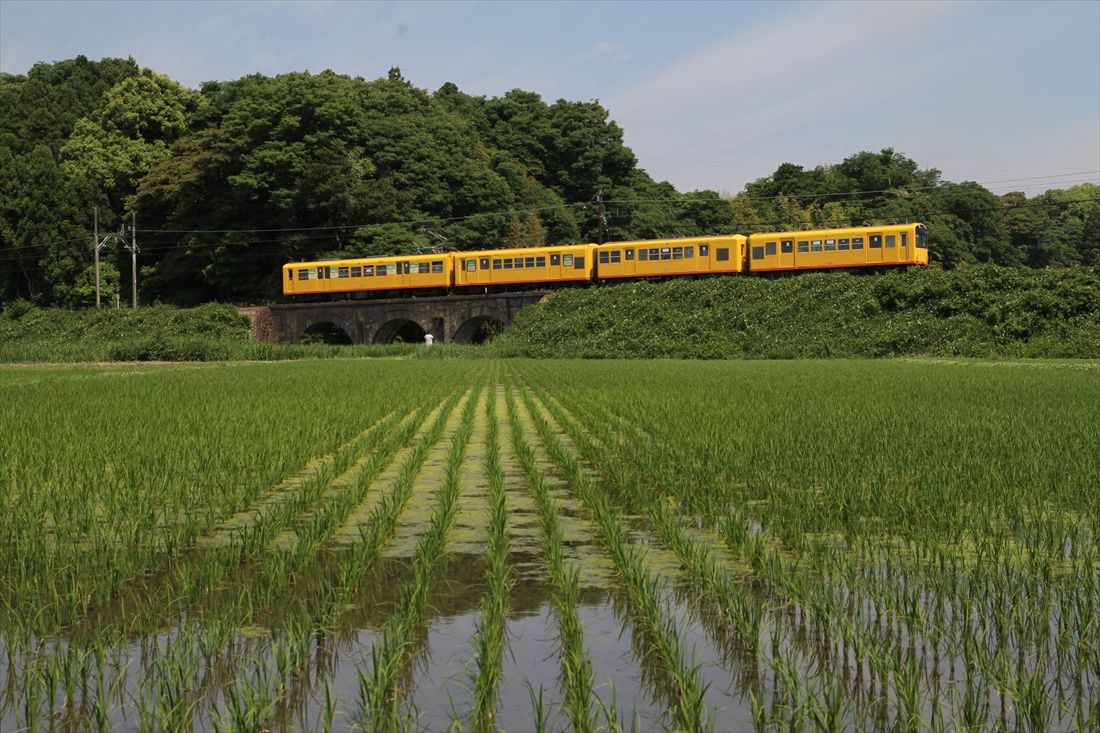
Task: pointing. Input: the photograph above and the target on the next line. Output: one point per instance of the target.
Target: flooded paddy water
(485, 546)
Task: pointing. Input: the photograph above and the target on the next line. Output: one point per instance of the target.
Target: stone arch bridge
(455, 319)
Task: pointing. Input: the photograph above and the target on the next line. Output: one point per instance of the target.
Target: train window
(704, 250)
(555, 260)
(578, 263)
(406, 268)
(303, 274)
(604, 257)
(769, 248)
(677, 253)
(803, 246)
(518, 263)
(496, 264)
(437, 266)
(786, 246)
(484, 263)
(666, 253)
(891, 240)
(629, 254)
(529, 263)
(368, 270)
(922, 238)
(356, 271)
(654, 253)
(643, 254)
(842, 244)
(471, 265)
(904, 239)
(567, 260)
(722, 254)
(830, 245)
(876, 241)
(857, 242)
(616, 257)
(414, 268)
(815, 245)
(758, 253)
(689, 252)
(507, 263)
(540, 262)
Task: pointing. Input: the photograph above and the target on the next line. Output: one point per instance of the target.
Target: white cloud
(606, 50)
(812, 62)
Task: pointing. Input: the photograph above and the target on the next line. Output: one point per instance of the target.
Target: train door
(874, 248)
(786, 253)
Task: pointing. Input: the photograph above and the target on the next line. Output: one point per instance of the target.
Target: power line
(415, 222)
(28, 257)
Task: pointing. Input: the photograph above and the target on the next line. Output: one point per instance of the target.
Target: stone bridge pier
(455, 319)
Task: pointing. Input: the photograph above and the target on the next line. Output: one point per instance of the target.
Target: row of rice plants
(392, 649)
(746, 611)
(307, 619)
(737, 605)
(245, 556)
(298, 544)
(490, 634)
(78, 542)
(578, 684)
(89, 509)
(642, 584)
(197, 573)
(911, 605)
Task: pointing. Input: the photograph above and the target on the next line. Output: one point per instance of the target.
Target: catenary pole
(95, 247)
(133, 256)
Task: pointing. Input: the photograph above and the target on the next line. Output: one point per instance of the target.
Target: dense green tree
(42, 108)
(985, 232)
(42, 249)
(1090, 236)
(127, 134)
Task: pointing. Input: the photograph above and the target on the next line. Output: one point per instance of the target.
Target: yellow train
(565, 264)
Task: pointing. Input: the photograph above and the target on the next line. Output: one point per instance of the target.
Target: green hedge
(979, 311)
(23, 323)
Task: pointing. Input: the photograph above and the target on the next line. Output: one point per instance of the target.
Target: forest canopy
(232, 180)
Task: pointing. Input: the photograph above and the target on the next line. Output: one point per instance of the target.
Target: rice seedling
(380, 698)
(576, 664)
(689, 709)
(490, 646)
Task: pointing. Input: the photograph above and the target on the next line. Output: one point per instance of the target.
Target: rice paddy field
(551, 545)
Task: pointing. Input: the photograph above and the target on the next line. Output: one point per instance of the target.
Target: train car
(492, 268)
(875, 246)
(672, 257)
(370, 275)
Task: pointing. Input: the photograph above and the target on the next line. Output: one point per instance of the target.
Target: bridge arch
(478, 329)
(331, 331)
(400, 329)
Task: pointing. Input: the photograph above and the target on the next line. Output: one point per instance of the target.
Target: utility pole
(95, 247)
(98, 244)
(133, 247)
(602, 213)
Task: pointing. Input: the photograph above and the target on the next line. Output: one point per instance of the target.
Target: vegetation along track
(552, 545)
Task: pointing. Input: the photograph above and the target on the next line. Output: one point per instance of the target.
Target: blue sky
(710, 95)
